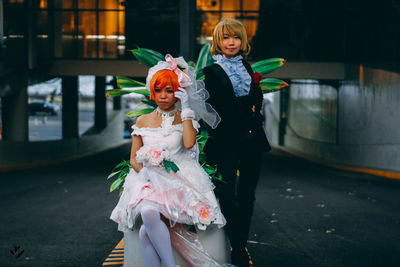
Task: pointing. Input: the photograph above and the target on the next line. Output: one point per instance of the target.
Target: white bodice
(168, 136)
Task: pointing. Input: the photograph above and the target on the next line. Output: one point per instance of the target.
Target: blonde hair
(232, 27)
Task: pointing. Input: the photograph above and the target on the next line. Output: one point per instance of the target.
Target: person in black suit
(239, 140)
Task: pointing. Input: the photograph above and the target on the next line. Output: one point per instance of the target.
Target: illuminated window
(210, 12)
(87, 28)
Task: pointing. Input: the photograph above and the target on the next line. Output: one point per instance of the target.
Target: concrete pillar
(1, 26)
(187, 13)
(100, 104)
(70, 119)
(117, 103)
(283, 113)
(14, 115)
(31, 36)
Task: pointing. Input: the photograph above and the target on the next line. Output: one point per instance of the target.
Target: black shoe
(240, 258)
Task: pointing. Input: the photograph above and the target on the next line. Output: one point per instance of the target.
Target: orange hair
(162, 78)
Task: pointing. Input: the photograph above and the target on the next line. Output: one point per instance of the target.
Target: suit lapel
(225, 81)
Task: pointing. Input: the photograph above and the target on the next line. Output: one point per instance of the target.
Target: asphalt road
(305, 215)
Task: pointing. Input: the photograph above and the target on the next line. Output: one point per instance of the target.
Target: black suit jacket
(237, 118)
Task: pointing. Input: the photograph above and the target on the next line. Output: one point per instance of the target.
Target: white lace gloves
(183, 97)
(187, 113)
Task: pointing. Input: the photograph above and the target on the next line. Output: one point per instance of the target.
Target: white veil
(195, 88)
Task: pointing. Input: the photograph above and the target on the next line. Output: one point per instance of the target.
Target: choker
(166, 114)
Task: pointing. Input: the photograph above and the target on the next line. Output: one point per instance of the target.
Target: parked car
(128, 122)
(42, 108)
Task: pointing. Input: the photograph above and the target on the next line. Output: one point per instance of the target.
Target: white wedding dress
(184, 198)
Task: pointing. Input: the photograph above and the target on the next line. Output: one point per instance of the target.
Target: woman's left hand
(183, 96)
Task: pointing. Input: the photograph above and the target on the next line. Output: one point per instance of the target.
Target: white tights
(155, 240)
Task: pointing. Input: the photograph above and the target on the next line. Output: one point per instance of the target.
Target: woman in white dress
(167, 183)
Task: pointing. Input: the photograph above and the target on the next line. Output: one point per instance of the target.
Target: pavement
(305, 215)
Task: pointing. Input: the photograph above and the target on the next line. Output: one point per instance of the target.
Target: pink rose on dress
(156, 154)
(153, 155)
(204, 214)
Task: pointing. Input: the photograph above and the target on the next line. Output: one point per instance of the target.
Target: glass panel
(42, 22)
(87, 35)
(121, 32)
(16, 1)
(14, 34)
(208, 21)
(108, 31)
(154, 28)
(230, 4)
(108, 4)
(250, 21)
(65, 4)
(87, 4)
(208, 5)
(41, 3)
(64, 38)
(251, 5)
(313, 110)
(207, 24)
(121, 22)
(231, 15)
(42, 37)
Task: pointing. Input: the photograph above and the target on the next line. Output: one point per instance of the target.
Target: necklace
(166, 114)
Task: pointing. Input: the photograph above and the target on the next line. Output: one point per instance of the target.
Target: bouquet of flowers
(156, 155)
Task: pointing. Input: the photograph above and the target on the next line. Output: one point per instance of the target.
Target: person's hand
(183, 96)
(253, 108)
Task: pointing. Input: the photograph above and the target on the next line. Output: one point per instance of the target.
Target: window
(210, 12)
(86, 28)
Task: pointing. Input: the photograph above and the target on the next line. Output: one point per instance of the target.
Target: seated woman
(162, 139)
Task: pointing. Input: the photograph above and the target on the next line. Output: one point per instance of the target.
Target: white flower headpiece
(174, 64)
(195, 88)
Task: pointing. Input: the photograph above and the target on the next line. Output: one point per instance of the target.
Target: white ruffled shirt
(237, 73)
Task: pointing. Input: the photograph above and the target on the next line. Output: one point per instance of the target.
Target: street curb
(332, 164)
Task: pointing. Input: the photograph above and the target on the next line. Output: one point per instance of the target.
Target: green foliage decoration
(149, 58)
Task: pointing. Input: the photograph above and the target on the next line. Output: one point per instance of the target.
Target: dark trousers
(237, 198)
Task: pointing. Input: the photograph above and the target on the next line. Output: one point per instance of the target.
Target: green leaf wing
(124, 82)
(137, 113)
(272, 85)
(120, 92)
(205, 59)
(149, 102)
(268, 65)
(147, 57)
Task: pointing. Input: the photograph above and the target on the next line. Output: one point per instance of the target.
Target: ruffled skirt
(181, 197)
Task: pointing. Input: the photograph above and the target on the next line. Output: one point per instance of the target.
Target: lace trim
(149, 131)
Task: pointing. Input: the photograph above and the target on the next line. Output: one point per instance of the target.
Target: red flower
(257, 77)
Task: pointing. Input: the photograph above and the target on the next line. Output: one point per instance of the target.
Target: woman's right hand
(183, 96)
